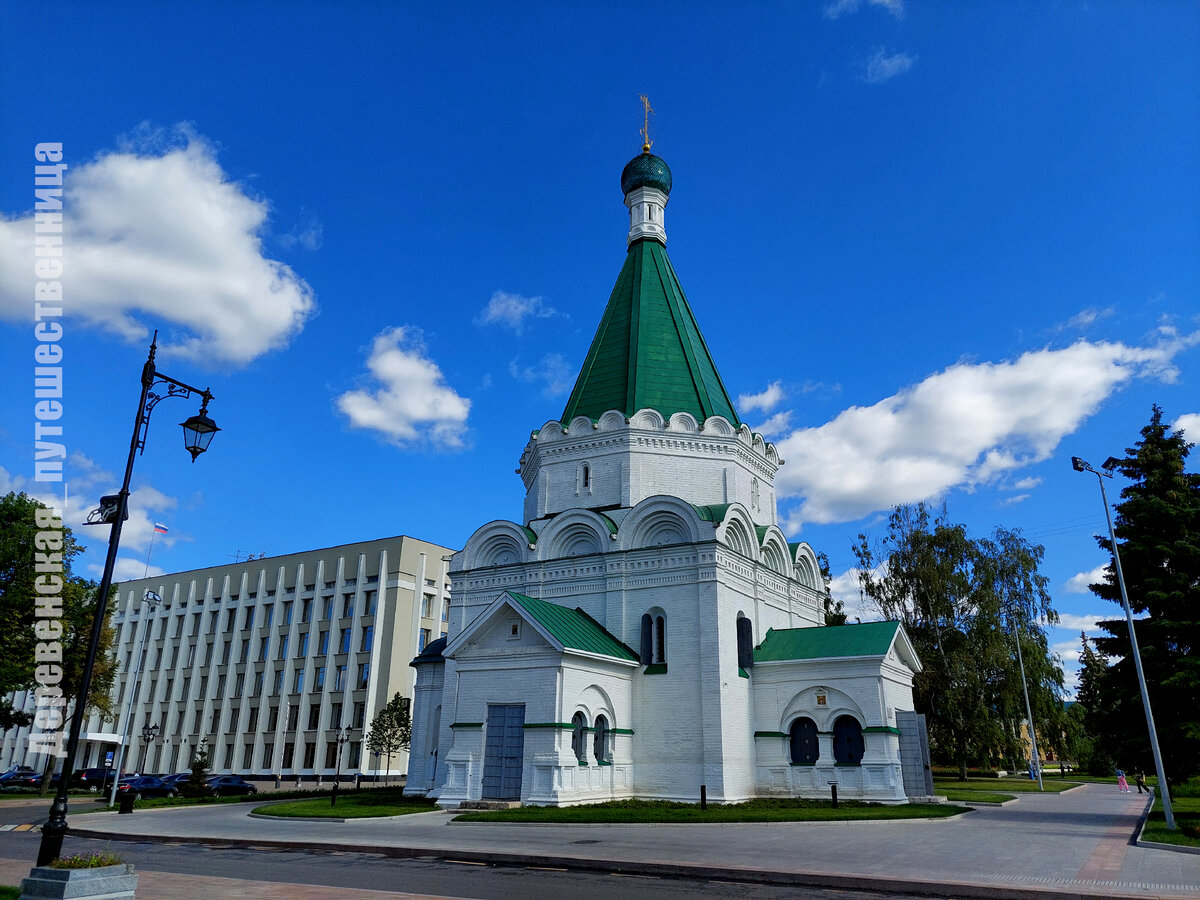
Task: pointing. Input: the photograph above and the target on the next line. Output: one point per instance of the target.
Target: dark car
(145, 786)
(16, 772)
(230, 785)
(95, 779)
(23, 780)
(177, 780)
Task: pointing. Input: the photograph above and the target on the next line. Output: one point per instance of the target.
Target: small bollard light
(833, 793)
(703, 797)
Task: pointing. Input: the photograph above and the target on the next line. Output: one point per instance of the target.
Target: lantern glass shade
(198, 431)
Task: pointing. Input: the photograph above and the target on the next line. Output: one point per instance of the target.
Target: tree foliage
(201, 770)
(18, 560)
(964, 604)
(1157, 525)
(391, 729)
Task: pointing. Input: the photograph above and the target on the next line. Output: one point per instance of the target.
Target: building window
(287, 613)
(314, 715)
(344, 646)
(263, 646)
(220, 686)
(422, 639)
(174, 656)
(283, 642)
(239, 684)
(601, 748)
(216, 720)
(803, 736)
(273, 718)
(654, 639)
(335, 715)
(252, 719)
(368, 633)
(847, 741)
(298, 683)
(364, 674)
(225, 653)
(339, 678)
(289, 752)
(230, 619)
(347, 605)
(427, 606)
(310, 754)
(249, 622)
(319, 678)
(268, 756)
(306, 610)
(360, 715)
(245, 650)
(579, 736)
(745, 642)
(268, 612)
(323, 644)
(228, 757)
(369, 600)
(233, 721)
(202, 691)
(258, 684)
(278, 687)
(208, 653)
(248, 757)
(302, 645)
(355, 755)
(293, 716)
(327, 605)
(331, 749)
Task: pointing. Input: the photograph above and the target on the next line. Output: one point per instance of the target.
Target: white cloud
(1189, 424)
(158, 231)
(845, 587)
(127, 569)
(838, 8)
(1026, 484)
(412, 402)
(1078, 583)
(1086, 317)
(552, 371)
(881, 66)
(511, 311)
(1015, 499)
(958, 428)
(775, 425)
(766, 401)
(1068, 651)
(1077, 623)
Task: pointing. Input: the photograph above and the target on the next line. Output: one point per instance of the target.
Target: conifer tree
(1157, 525)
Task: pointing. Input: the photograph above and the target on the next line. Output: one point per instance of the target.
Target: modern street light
(1107, 472)
(133, 686)
(343, 735)
(198, 431)
(149, 736)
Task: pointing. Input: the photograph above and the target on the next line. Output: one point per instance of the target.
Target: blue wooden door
(504, 750)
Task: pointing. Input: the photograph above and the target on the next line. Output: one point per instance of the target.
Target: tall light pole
(149, 735)
(343, 735)
(1036, 761)
(133, 686)
(198, 431)
(1107, 472)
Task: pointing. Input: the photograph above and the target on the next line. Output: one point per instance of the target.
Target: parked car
(177, 779)
(145, 786)
(16, 772)
(95, 779)
(230, 785)
(23, 780)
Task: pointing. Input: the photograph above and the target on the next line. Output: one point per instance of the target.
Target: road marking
(22, 828)
(7, 827)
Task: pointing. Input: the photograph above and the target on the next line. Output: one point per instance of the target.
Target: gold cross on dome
(646, 142)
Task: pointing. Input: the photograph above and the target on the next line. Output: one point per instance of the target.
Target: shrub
(87, 861)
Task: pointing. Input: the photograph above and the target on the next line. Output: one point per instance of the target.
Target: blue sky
(935, 248)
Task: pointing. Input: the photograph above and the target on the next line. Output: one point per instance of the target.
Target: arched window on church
(754, 493)
(848, 745)
(601, 741)
(803, 736)
(653, 649)
(579, 736)
(583, 479)
(745, 642)
(660, 639)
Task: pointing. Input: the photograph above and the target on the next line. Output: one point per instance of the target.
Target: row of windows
(267, 617)
(341, 678)
(170, 761)
(173, 721)
(601, 739)
(848, 746)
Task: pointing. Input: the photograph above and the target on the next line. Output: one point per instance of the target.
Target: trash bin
(125, 801)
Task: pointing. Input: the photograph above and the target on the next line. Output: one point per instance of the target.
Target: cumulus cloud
(1026, 484)
(839, 8)
(766, 401)
(1086, 317)
(1015, 499)
(775, 425)
(961, 427)
(158, 231)
(128, 569)
(1078, 623)
(410, 400)
(1189, 424)
(845, 587)
(511, 311)
(1067, 651)
(552, 371)
(1078, 583)
(882, 66)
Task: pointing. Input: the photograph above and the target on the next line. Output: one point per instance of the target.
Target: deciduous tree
(391, 729)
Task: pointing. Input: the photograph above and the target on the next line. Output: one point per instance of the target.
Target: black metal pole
(56, 827)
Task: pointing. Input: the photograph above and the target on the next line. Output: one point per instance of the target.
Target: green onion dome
(646, 170)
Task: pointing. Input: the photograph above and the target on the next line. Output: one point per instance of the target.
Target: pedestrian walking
(1122, 784)
(1140, 781)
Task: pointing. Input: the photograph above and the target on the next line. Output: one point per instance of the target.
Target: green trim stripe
(566, 726)
(881, 729)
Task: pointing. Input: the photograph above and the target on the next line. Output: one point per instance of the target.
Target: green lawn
(9, 893)
(351, 806)
(1023, 785)
(1187, 818)
(763, 810)
(970, 796)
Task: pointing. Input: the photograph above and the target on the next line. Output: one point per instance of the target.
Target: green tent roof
(648, 351)
(573, 628)
(825, 642)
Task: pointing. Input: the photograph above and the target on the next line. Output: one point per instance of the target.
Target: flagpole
(153, 533)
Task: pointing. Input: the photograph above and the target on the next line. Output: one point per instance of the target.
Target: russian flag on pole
(160, 528)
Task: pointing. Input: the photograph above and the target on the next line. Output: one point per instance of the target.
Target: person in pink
(1122, 784)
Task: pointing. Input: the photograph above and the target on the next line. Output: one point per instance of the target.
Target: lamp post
(198, 431)
(134, 686)
(1107, 472)
(343, 735)
(149, 735)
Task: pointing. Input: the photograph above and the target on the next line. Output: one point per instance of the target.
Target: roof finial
(646, 142)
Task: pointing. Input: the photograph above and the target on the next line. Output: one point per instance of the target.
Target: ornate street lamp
(198, 432)
(343, 735)
(1107, 466)
(149, 736)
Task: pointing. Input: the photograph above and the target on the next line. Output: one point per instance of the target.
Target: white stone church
(645, 629)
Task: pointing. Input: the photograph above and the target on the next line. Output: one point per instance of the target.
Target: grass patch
(994, 785)
(170, 803)
(366, 805)
(10, 893)
(760, 810)
(969, 796)
(1187, 818)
